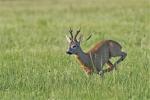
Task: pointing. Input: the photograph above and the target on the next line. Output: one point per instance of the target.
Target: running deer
(95, 58)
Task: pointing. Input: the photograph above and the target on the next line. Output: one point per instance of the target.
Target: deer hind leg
(122, 57)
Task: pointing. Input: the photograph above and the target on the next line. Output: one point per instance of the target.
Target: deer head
(74, 43)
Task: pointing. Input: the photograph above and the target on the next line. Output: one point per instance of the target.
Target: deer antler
(70, 31)
(78, 31)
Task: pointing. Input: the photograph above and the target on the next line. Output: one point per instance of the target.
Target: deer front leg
(87, 70)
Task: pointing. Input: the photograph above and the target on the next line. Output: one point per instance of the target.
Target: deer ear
(68, 39)
(80, 38)
(89, 37)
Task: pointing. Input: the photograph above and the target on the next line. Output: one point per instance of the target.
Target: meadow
(33, 62)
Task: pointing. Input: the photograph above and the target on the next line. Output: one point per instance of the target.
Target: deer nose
(68, 52)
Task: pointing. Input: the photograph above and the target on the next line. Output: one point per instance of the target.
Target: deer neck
(83, 58)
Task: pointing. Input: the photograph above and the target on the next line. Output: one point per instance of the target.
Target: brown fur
(97, 46)
(87, 69)
(101, 43)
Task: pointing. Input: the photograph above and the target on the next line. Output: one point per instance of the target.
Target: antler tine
(78, 31)
(70, 31)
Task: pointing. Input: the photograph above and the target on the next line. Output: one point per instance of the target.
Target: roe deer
(96, 57)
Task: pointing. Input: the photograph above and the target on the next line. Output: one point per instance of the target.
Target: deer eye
(74, 46)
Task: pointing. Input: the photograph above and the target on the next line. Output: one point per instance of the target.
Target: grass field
(33, 63)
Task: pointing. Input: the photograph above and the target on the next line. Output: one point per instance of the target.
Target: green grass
(33, 63)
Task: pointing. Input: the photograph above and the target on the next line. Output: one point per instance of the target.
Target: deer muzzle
(68, 52)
